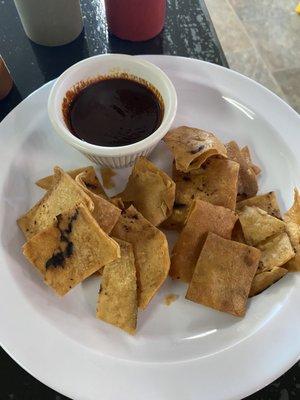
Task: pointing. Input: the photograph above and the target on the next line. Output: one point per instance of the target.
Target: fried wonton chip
(247, 183)
(275, 252)
(203, 218)
(64, 195)
(215, 182)
(117, 301)
(191, 147)
(107, 175)
(150, 249)
(258, 225)
(177, 219)
(292, 219)
(91, 181)
(247, 156)
(105, 213)
(70, 250)
(237, 233)
(223, 275)
(150, 190)
(265, 279)
(267, 202)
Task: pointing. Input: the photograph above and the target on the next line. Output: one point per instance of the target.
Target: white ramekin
(121, 156)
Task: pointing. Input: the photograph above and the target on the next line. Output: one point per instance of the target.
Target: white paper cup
(120, 156)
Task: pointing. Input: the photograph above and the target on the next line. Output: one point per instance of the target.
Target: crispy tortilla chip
(247, 183)
(71, 250)
(203, 218)
(150, 249)
(177, 219)
(191, 147)
(258, 225)
(223, 275)
(247, 156)
(267, 202)
(215, 182)
(150, 190)
(107, 175)
(117, 301)
(91, 180)
(118, 202)
(292, 219)
(105, 213)
(275, 252)
(265, 279)
(64, 195)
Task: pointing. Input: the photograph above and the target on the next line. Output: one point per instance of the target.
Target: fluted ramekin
(89, 68)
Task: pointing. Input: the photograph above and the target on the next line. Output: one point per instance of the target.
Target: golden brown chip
(64, 195)
(191, 147)
(215, 182)
(292, 219)
(223, 275)
(265, 279)
(107, 175)
(150, 249)
(150, 190)
(170, 298)
(177, 219)
(203, 218)
(267, 202)
(247, 156)
(237, 233)
(247, 183)
(71, 250)
(275, 252)
(105, 213)
(118, 202)
(91, 180)
(258, 225)
(117, 301)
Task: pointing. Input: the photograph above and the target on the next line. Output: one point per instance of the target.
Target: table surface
(188, 32)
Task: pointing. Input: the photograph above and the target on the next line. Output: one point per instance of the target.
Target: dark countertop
(188, 32)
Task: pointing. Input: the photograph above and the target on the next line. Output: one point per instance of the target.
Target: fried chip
(105, 213)
(237, 233)
(64, 195)
(275, 252)
(267, 202)
(203, 218)
(258, 225)
(191, 147)
(292, 219)
(91, 180)
(117, 301)
(150, 249)
(265, 279)
(70, 250)
(247, 156)
(107, 175)
(223, 275)
(150, 190)
(177, 219)
(247, 183)
(215, 182)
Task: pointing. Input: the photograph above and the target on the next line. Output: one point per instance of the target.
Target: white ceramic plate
(184, 351)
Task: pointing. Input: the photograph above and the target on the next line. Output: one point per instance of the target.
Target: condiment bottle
(135, 20)
(6, 81)
(50, 22)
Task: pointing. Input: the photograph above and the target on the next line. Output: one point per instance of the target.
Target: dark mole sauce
(114, 112)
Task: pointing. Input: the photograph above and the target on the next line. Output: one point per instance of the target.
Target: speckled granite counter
(188, 32)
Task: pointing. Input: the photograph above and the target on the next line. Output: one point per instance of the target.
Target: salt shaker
(6, 81)
(50, 22)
